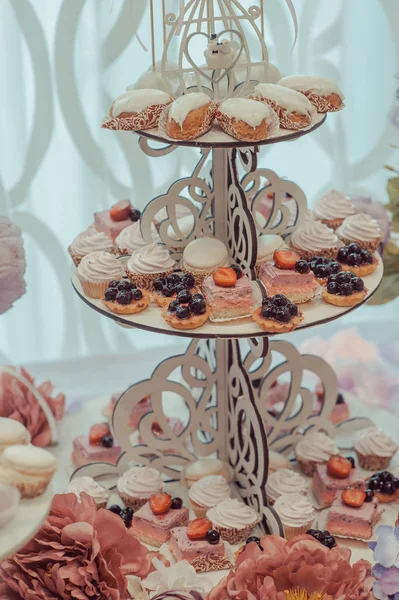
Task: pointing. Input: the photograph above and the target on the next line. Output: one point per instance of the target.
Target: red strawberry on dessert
(354, 497)
(97, 432)
(285, 259)
(198, 529)
(339, 467)
(121, 210)
(225, 277)
(160, 503)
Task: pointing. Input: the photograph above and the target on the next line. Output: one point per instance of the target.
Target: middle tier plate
(315, 312)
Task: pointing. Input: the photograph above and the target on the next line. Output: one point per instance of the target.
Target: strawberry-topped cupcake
(229, 294)
(358, 260)
(277, 315)
(166, 289)
(154, 521)
(344, 289)
(188, 311)
(289, 275)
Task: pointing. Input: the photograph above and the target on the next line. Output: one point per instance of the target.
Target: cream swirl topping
(131, 239)
(334, 205)
(375, 442)
(313, 236)
(316, 447)
(151, 259)
(140, 482)
(90, 240)
(232, 513)
(360, 227)
(294, 510)
(209, 491)
(100, 266)
(91, 487)
(285, 481)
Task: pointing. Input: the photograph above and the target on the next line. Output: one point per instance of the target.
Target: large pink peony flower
(78, 553)
(301, 564)
(17, 402)
(12, 264)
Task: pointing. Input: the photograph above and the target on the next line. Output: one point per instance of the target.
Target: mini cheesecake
(326, 486)
(229, 294)
(155, 529)
(353, 521)
(113, 221)
(289, 275)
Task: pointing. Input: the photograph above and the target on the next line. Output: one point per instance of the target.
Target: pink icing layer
(85, 453)
(104, 223)
(218, 297)
(184, 548)
(349, 521)
(279, 281)
(326, 488)
(170, 519)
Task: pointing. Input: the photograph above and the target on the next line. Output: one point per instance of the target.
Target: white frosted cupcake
(97, 270)
(130, 239)
(313, 449)
(296, 514)
(206, 466)
(332, 208)
(138, 484)
(314, 238)
(12, 432)
(89, 241)
(203, 256)
(28, 468)
(207, 493)
(285, 481)
(362, 229)
(267, 245)
(147, 264)
(233, 519)
(89, 485)
(375, 449)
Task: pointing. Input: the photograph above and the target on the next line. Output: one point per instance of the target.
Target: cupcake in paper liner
(313, 449)
(137, 110)
(203, 467)
(136, 486)
(233, 519)
(207, 492)
(147, 264)
(296, 514)
(188, 117)
(323, 93)
(293, 109)
(130, 239)
(89, 486)
(247, 120)
(96, 271)
(362, 229)
(203, 256)
(313, 238)
(375, 449)
(285, 481)
(332, 208)
(89, 241)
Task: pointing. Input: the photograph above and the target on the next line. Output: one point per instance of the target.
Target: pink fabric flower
(17, 402)
(12, 264)
(79, 553)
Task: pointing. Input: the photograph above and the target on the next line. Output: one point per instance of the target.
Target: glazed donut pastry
(189, 116)
(344, 289)
(293, 108)
(137, 110)
(188, 311)
(247, 120)
(323, 93)
(277, 315)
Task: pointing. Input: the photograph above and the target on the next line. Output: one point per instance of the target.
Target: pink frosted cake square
(200, 553)
(85, 453)
(155, 529)
(104, 223)
(297, 287)
(326, 488)
(353, 522)
(229, 302)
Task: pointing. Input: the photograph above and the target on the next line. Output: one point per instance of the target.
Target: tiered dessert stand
(222, 380)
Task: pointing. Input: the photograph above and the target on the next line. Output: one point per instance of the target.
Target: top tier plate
(216, 138)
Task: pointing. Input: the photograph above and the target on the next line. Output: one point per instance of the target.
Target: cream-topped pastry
(208, 492)
(310, 83)
(314, 448)
(89, 241)
(91, 487)
(267, 245)
(181, 107)
(295, 512)
(244, 109)
(285, 97)
(285, 481)
(233, 519)
(148, 263)
(130, 239)
(374, 449)
(135, 101)
(96, 270)
(332, 208)
(360, 228)
(27, 468)
(246, 119)
(12, 432)
(206, 466)
(203, 256)
(188, 117)
(138, 484)
(314, 238)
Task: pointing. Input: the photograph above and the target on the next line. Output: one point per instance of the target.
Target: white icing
(285, 481)
(244, 109)
(360, 227)
(309, 83)
(294, 510)
(130, 238)
(100, 266)
(206, 466)
(334, 205)
(181, 107)
(140, 482)
(151, 259)
(316, 447)
(90, 486)
(28, 458)
(285, 97)
(375, 442)
(268, 244)
(13, 432)
(209, 491)
(136, 101)
(90, 240)
(186, 225)
(313, 236)
(205, 253)
(232, 513)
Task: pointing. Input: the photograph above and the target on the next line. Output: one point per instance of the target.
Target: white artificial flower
(180, 576)
(135, 588)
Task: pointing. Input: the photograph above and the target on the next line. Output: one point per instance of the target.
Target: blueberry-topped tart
(277, 314)
(124, 298)
(166, 289)
(356, 259)
(187, 311)
(385, 486)
(323, 267)
(344, 289)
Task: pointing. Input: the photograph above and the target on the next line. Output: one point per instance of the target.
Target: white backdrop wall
(61, 64)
